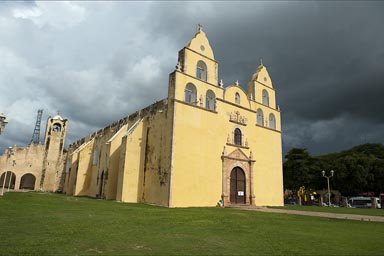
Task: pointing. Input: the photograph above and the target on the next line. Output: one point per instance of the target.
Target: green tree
(299, 169)
(359, 169)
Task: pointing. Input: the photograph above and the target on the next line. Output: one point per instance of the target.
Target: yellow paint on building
(205, 142)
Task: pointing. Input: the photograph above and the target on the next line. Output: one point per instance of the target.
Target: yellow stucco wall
(231, 91)
(200, 136)
(268, 178)
(157, 166)
(70, 173)
(113, 155)
(196, 173)
(94, 162)
(145, 161)
(199, 139)
(129, 187)
(84, 170)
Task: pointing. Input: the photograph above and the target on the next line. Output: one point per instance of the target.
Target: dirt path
(316, 214)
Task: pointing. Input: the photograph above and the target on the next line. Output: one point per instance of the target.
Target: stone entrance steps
(243, 206)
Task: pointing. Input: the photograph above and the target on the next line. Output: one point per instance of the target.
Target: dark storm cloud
(355, 95)
(325, 59)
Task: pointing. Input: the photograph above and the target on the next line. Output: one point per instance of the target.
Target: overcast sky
(97, 62)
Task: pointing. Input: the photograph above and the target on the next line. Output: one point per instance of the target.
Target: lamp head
(332, 172)
(323, 172)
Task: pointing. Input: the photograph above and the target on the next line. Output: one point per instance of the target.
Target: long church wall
(145, 165)
(99, 157)
(157, 162)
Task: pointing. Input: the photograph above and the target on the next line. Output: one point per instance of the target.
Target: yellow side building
(203, 143)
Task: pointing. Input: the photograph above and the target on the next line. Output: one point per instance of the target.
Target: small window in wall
(210, 100)
(190, 93)
(68, 166)
(201, 70)
(272, 121)
(76, 172)
(237, 98)
(265, 98)
(56, 127)
(95, 156)
(237, 136)
(260, 117)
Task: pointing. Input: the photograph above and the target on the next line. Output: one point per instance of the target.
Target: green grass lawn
(52, 224)
(359, 211)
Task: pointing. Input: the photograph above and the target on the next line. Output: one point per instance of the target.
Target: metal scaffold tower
(36, 133)
(3, 122)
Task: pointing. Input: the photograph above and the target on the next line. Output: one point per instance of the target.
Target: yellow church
(203, 143)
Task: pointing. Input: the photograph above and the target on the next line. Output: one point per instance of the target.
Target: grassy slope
(47, 224)
(359, 211)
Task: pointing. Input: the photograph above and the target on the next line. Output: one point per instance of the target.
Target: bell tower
(196, 59)
(53, 160)
(195, 80)
(260, 88)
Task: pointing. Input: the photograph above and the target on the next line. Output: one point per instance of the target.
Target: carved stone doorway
(237, 178)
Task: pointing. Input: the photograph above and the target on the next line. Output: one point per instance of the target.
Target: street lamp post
(329, 191)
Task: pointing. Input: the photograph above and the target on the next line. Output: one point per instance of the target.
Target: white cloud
(15, 74)
(27, 12)
(148, 65)
(92, 78)
(61, 14)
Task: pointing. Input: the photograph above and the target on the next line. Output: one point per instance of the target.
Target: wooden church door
(237, 189)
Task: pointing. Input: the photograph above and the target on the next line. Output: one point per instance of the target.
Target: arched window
(260, 117)
(10, 179)
(210, 100)
(272, 121)
(237, 136)
(265, 98)
(190, 94)
(201, 70)
(56, 127)
(237, 98)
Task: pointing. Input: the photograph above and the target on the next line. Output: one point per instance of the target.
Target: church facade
(203, 143)
(37, 166)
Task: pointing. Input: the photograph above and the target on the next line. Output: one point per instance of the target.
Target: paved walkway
(316, 214)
